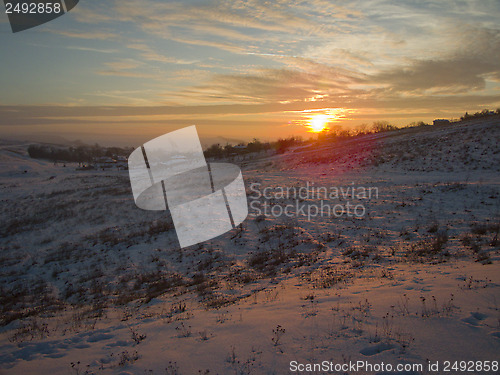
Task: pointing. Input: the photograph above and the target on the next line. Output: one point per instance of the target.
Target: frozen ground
(91, 284)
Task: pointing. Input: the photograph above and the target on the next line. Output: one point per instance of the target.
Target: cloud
(97, 13)
(304, 81)
(24, 114)
(92, 35)
(226, 18)
(126, 68)
(124, 64)
(120, 73)
(463, 70)
(451, 76)
(148, 53)
(234, 26)
(230, 47)
(90, 49)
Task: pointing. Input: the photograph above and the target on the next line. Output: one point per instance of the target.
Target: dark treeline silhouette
(80, 154)
(255, 146)
(217, 151)
(483, 113)
(284, 143)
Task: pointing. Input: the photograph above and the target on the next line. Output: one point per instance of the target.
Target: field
(90, 284)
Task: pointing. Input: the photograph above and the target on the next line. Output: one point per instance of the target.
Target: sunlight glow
(318, 123)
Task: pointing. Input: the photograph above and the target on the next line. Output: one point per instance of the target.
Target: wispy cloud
(119, 73)
(150, 54)
(85, 34)
(90, 49)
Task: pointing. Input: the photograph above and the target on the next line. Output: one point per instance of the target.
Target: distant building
(105, 162)
(441, 122)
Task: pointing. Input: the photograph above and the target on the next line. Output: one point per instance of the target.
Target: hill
(320, 270)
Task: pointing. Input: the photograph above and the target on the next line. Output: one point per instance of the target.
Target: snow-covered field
(90, 284)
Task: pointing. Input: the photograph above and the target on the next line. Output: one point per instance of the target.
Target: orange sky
(125, 71)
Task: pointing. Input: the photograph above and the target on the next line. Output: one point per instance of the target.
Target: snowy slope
(91, 284)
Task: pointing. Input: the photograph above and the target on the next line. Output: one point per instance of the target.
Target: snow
(92, 284)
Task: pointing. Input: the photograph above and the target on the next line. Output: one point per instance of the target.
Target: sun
(318, 123)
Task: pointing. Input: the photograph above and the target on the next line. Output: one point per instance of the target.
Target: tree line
(481, 114)
(80, 154)
(255, 146)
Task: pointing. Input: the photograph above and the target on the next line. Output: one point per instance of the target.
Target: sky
(122, 72)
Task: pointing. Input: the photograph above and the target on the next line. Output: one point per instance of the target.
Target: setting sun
(318, 123)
